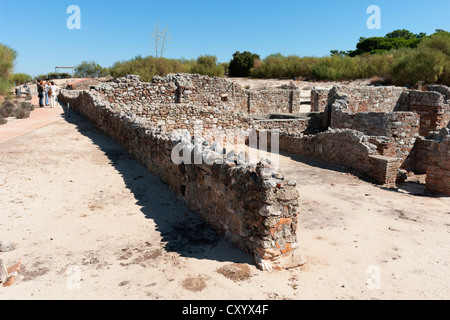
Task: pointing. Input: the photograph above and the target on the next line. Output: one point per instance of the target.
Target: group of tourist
(47, 91)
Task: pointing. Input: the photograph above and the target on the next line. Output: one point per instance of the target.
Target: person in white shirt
(46, 89)
(54, 88)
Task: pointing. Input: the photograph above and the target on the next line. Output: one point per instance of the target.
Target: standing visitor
(40, 90)
(53, 88)
(46, 89)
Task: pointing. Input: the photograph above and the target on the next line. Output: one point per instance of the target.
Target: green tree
(242, 63)
(403, 33)
(7, 58)
(21, 78)
(338, 53)
(382, 44)
(396, 39)
(90, 70)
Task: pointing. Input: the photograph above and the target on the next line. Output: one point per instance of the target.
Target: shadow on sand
(182, 230)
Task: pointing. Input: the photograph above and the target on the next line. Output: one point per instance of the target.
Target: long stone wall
(431, 105)
(348, 148)
(359, 99)
(199, 91)
(390, 119)
(401, 129)
(396, 122)
(253, 205)
(275, 101)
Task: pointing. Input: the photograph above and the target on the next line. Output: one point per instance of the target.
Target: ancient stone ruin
(382, 133)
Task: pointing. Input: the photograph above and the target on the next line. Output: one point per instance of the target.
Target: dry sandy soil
(89, 222)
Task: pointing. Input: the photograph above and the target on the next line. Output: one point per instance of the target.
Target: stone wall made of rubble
(199, 91)
(252, 205)
(319, 99)
(360, 99)
(348, 148)
(274, 101)
(305, 124)
(431, 106)
(431, 156)
(156, 104)
(399, 129)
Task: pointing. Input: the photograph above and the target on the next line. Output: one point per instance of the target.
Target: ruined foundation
(384, 133)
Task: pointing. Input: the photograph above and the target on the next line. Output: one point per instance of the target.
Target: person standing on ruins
(40, 90)
(53, 88)
(46, 89)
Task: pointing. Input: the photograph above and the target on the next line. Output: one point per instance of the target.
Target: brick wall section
(348, 148)
(368, 98)
(275, 101)
(319, 99)
(438, 172)
(400, 128)
(360, 99)
(252, 206)
(432, 106)
(441, 89)
(433, 110)
(423, 156)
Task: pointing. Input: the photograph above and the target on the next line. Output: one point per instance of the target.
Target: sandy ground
(89, 222)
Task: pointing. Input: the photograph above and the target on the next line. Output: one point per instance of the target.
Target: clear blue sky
(120, 30)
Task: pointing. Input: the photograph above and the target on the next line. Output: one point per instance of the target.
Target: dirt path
(92, 223)
(39, 118)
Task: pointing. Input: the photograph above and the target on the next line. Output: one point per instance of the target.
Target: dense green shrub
(407, 59)
(148, 67)
(424, 64)
(26, 105)
(4, 113)
(8, 109)
(430, 62)
(207, 65)
(242, 63)
(3, 120)
(22, 113)
(279, 66)
(336, 68)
